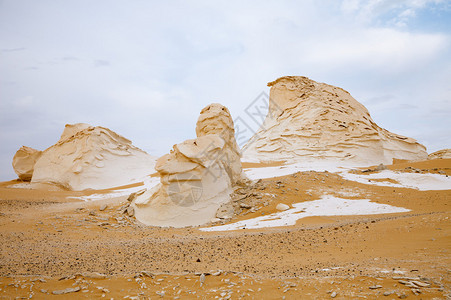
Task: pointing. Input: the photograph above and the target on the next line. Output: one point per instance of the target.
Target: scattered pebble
(282, 206)
(66, 291)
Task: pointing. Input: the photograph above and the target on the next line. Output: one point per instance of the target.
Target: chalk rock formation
(24, 161)
(197, 176)
(88, 157)
(442, 154)
(309, 121)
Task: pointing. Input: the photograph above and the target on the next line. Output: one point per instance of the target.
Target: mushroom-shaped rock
(24, 161)
(88, 157)
(197, 176)
(309, 121)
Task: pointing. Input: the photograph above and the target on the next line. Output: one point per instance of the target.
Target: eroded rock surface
(197, 176)
(88, 157)
(440, 154)
(24, 161)
(309, 121)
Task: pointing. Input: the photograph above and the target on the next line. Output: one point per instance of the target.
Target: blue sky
(146, 68)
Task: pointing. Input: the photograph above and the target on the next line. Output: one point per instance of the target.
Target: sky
(145, 69)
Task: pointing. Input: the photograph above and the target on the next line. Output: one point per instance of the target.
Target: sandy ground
(53, 246)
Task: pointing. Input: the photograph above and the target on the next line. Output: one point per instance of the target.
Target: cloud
(101, 63)
(386, 12)
(13, 49)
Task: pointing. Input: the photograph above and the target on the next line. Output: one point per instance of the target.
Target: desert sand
(54, 243)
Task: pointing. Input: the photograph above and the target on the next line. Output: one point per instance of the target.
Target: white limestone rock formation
(440, 154)
(197, 176)
(88, 157)
(315, 122)
(24, 161)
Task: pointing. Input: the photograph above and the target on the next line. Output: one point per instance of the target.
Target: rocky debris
(24, 161)
(103, 207)
(309, 121)
(197, 176)
(88, 157)
(282, 207)
(66, 291)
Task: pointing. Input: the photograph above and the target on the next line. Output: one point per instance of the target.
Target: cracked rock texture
(309, 121)
(197, 176)
(88, 157)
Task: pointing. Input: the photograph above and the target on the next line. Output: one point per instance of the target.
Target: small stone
(374, 287)
(420, 284)
(381, 167)
(92, 213)
(131, 197)
(388, 293)
(333, 295)
(103, 207)
(130, 211)
(148, 274)
(161, 294)
(66, 291)
(282, 207)
(43, 291)
(244, 205)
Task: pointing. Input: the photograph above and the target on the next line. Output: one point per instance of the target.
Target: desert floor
(53, 246)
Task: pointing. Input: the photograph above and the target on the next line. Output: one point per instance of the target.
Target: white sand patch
(327, 206)
(418, 181)
(149, 183)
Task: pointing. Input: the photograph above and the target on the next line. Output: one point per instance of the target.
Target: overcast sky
(145, 69)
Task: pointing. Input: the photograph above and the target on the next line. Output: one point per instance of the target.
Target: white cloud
(397, 12)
